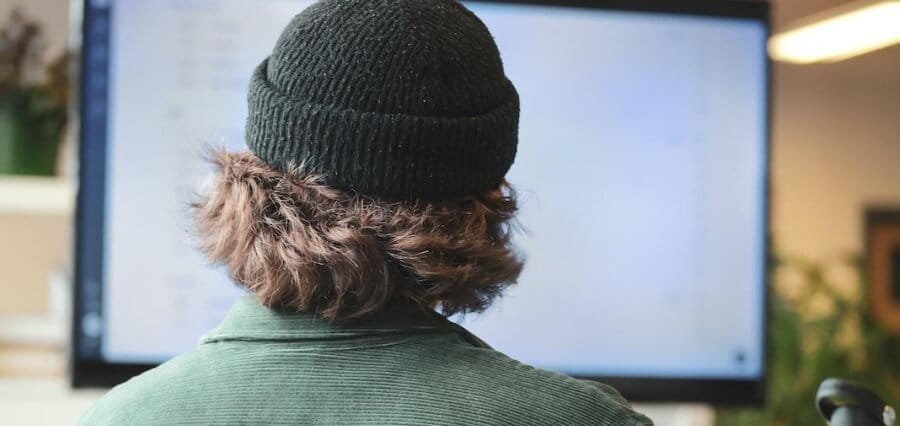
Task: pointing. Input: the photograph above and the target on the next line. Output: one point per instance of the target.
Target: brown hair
(301, 245)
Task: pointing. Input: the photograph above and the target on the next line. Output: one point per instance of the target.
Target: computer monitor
(642, 174)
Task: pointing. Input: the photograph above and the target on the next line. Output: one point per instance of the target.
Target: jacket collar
(249, 320)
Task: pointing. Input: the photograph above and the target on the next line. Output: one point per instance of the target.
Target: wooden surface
(31, 363)
(31, 248)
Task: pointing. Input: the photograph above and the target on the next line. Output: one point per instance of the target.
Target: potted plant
(33, 99)
(821, 325)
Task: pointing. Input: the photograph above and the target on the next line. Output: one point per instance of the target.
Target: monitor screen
(642, 177)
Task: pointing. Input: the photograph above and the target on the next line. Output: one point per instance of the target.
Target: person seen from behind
(370, 206)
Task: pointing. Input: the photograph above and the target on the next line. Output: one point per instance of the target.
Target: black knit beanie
(402, 99)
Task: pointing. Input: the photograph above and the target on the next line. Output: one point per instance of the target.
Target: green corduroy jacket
(264, 367)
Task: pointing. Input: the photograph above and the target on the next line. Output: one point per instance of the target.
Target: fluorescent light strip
(836, 38)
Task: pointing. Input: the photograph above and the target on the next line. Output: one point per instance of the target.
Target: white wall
(836, 149)
(53, 14)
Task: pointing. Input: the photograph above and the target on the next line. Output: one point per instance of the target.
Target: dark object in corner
(844, 403)
(883, 265)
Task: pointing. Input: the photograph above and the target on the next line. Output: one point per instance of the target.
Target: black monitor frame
(89, 370)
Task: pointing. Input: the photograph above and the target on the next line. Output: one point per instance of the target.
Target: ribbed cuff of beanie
(390, 155)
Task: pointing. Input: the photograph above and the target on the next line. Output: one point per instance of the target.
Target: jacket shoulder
(537, 396)
(138, 401)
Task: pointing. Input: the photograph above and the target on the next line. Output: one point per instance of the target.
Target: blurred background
(835, 157)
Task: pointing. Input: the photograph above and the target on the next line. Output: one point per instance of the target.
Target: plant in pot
(33, 99)
(821, 325)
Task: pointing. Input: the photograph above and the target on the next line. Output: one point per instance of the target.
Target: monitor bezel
(90, 211)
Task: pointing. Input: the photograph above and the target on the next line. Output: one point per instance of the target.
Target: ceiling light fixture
(839, 34)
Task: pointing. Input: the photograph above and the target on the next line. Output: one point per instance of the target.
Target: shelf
(50, 196)
(33, 331)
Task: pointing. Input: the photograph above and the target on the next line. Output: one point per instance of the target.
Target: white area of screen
(640, 170)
